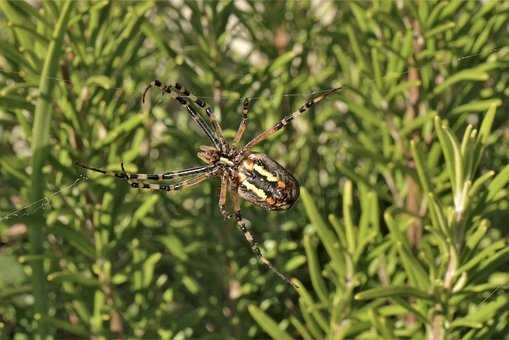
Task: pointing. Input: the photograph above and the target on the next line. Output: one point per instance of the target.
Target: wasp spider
(255, 177)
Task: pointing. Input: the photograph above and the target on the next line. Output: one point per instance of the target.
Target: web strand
(43, 203)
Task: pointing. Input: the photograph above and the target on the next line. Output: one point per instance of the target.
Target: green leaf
(148, 268)
(498, 183)
(354, 43)
(487, 122)
(366, 114)
(77, 278)
(268, 324)
(7, 293)
(447, 149)
(387, 292)
(402, 302)
(403, 88)
(421, 170)
(123, 128)
(328, 238)
(281, 61)
(15, 102)
(314, 269)
(375, 60)
(174, 246)
(482, 313)
(476, 106)
(439, 29)
(16, 58)
(39, 38)
(490, 265)
(310, 322)
(145, 208)
(478, 184)
(481, 256)
(459, 323)
(381, 325)
(100, 80)
(473, 74)
(438, 217)
(412, 266)
(304, 333)
(311, 307)
(473, 239)
(96, 319)
(191, 285)
(350, 234)
(74, 238)
(67, 327)
(12, 271)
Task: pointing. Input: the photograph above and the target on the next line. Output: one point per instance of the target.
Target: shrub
(400, 230)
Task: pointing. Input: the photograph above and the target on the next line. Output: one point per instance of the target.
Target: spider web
(45, 202)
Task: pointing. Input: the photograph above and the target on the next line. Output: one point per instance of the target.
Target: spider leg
(156, 177)
(222, 197)
(243, 122)
(174, 93)
(172, 187)
(204, 107)
(286, 120)
(252, 240)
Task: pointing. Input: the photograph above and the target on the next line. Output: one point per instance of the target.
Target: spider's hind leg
(249, 236)
(222, 197)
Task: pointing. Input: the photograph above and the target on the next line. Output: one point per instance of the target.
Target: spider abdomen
(266, 183)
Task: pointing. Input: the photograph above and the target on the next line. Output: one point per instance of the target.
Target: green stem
(40, 145)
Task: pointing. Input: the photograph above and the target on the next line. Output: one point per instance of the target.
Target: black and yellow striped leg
(171, 187)
(243, 122)
(222, 197)
(206, 108)
(218, 141)
(252, 240)
(286, 120)
(155, 177)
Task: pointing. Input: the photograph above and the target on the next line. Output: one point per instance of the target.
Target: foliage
(401, 227)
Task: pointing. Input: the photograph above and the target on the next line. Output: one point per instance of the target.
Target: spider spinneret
(254, 177)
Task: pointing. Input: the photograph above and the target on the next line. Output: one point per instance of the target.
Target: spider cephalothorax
(255, 177)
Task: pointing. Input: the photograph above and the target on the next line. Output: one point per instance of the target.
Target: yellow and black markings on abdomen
(265, 183)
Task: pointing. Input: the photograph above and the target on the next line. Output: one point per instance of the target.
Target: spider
(254, 177)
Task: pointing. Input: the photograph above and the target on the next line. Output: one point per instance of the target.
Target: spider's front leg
(286, 120)
(181, 95)
(156, 177)
(198, 174)
(252, 240)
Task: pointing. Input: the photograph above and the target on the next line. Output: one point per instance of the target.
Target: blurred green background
(401, 229)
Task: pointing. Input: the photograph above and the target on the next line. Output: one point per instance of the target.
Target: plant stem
(40, 146)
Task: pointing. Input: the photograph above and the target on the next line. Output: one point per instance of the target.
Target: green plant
(442, 288)
(389, 160)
